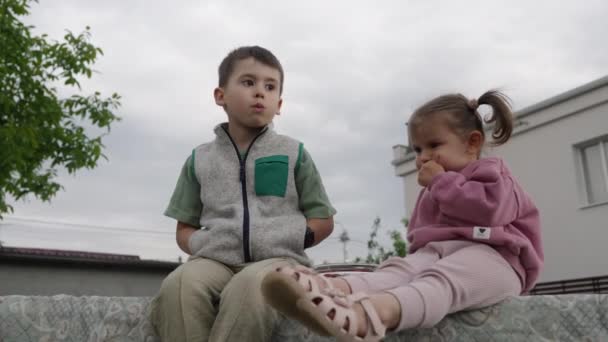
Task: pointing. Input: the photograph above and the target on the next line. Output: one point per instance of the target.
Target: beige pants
(204, 300)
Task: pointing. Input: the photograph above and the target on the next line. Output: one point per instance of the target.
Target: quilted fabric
(121, 319)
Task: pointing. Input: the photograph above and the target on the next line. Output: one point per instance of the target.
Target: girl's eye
(417, 150)
(270, 87)
(435, 145)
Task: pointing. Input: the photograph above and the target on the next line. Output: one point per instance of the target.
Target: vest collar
(221, 130)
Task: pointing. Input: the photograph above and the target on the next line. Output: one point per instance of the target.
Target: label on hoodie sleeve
(482, 233)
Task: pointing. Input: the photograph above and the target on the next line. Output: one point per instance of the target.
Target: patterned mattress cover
(118, 319)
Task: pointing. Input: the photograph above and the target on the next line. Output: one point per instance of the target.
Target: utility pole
(344, 239)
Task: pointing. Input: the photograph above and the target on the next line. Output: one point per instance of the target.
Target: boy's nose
(259, 91)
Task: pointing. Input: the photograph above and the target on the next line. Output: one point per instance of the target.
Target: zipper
(243, 180)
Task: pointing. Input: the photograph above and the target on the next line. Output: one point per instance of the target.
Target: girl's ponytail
(501, 117)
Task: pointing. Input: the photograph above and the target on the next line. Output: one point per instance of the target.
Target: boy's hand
(322, 228)
(429, 170)
(182, 235)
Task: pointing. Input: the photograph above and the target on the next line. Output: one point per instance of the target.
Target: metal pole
(344, 239)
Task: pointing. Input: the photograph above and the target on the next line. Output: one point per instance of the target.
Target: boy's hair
(256, 52)
(464, 118)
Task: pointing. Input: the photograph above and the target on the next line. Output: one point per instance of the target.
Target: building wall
(542, 157)
(79, 280)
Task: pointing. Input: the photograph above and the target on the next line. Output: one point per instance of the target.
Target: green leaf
(38, 128)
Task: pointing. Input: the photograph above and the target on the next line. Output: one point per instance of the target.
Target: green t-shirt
(185, 205)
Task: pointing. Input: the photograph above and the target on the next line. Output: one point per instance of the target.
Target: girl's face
(433, 139)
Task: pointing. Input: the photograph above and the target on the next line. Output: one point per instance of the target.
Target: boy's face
(251, 96)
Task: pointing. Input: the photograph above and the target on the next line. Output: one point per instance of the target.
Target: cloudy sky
(354, 72)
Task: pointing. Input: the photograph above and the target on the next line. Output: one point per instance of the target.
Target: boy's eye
(248, 83)
(270, 87)
(434, 144)
(417, 150)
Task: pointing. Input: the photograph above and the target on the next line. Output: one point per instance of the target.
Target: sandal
(327, 312)
(284, 287)
(308, 278)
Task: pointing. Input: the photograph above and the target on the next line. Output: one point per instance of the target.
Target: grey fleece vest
(250, 203)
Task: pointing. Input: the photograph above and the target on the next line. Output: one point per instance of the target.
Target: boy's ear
(279, 106)
(475, 142)
(218, 94)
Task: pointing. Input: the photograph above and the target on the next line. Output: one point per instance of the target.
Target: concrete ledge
(533, 318)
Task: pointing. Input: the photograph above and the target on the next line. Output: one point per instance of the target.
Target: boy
(246, 203)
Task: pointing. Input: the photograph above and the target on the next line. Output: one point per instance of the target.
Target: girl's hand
(429, 170)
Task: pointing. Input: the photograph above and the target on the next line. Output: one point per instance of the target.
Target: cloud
(354, 72)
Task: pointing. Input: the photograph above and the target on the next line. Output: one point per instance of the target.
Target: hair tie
(473, 104)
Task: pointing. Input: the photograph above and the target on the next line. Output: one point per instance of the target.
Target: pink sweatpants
(441, 278)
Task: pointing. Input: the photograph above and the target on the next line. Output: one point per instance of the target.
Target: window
(593, 168)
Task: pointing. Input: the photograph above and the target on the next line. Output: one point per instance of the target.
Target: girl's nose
(421, 159)
(425, 156)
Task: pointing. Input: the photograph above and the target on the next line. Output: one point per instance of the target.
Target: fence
(582, 285)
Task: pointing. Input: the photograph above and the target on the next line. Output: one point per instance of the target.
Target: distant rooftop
(58, 253)
(57, 256)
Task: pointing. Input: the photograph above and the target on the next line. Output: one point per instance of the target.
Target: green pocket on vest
(271, 175)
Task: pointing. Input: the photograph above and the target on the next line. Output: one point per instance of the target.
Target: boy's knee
(181, 279)
(247, 284)
(171, 282)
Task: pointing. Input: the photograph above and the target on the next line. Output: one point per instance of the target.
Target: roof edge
(585, 88)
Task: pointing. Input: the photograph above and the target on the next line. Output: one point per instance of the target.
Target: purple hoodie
(482, 203)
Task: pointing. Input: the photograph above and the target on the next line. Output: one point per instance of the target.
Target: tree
(40, 130)
(377, 253)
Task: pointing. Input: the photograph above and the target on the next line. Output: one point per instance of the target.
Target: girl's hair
(463, 117)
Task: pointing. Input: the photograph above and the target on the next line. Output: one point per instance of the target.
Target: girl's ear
(475, 142)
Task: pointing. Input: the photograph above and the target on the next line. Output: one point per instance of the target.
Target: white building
(559, 153)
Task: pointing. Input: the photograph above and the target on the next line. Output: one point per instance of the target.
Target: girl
(474, 236)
